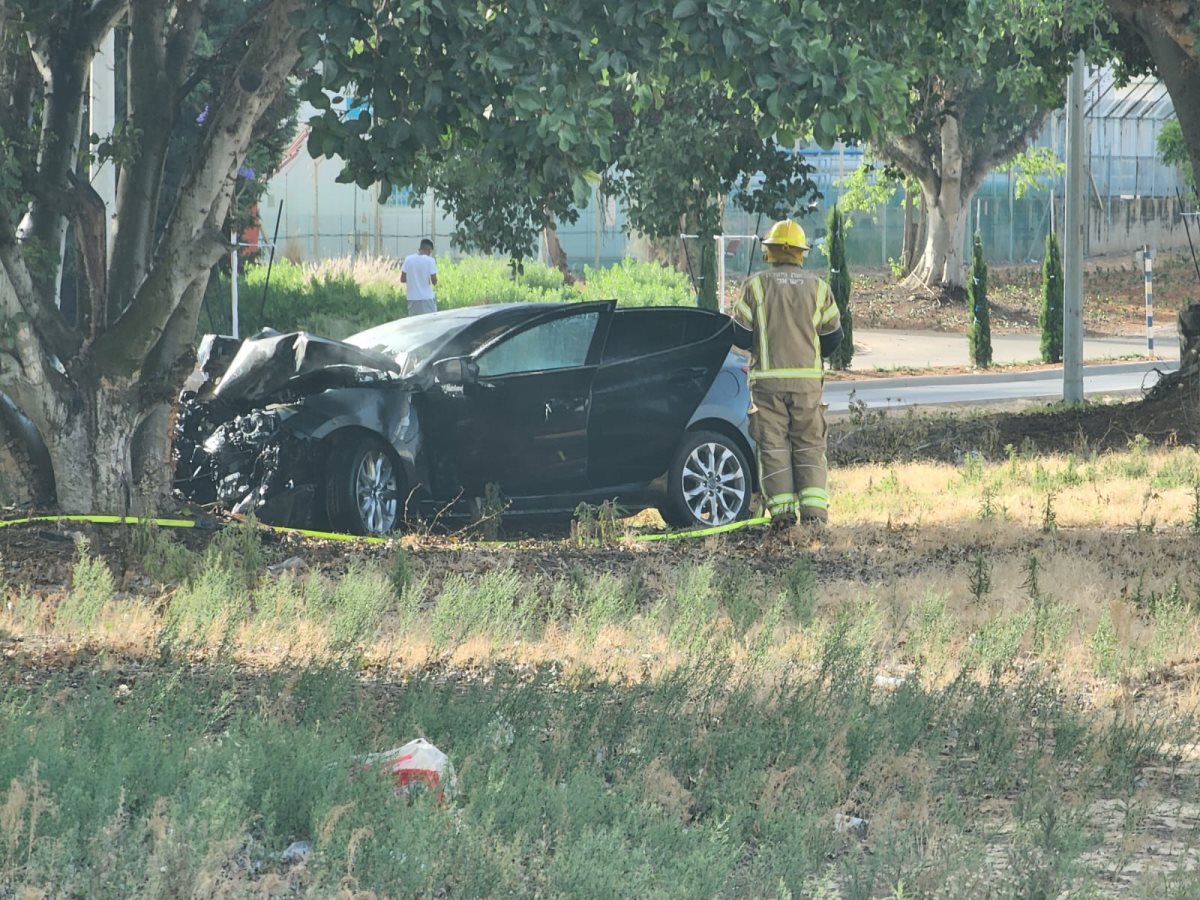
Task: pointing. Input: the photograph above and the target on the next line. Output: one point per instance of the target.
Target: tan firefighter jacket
(788, 309)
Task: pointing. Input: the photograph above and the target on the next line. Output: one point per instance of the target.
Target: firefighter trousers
(789, 429)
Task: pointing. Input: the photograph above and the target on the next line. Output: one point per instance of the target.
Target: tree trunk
(90, 449)
(554, 249)
(912, 232)
(100, 401)
(944, 204)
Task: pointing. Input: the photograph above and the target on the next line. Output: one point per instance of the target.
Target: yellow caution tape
(703, 532)
(338, 536)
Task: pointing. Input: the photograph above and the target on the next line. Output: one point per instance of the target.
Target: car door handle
(565, 404)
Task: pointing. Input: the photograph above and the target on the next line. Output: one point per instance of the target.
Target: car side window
(558, 344)
(638, 332)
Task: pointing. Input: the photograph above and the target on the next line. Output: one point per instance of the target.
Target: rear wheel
(708, 483)
(362, 490)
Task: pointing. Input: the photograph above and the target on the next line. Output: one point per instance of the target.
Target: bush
(839, 284)
(979, 333)
(338, 297)
(637, 284)
(1051, 316)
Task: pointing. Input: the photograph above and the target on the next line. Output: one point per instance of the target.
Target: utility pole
(1073, 239)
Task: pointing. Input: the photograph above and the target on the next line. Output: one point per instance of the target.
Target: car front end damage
(255, 424)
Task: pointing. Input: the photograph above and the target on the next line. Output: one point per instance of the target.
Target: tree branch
(48, 323)
(207, 192)
(24, 445)
(981, 159)
(153, 101)
(100, 19)
(910, 153)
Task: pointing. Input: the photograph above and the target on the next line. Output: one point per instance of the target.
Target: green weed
(602, 602)
(91, 587)
(980, 578)
(987, 503)
(995, 646)
(1050, 619)
(357, 605)
(162, 557)
(399, 571)
(1181, 468)
(1105, 649)
(930, 629)
(1049, 517)
(971, 467)
(237, 548)
(597, 526)
(204, 611)
(1135, 463)
(800, 591)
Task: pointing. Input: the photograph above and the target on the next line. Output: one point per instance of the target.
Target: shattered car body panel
(552, 403)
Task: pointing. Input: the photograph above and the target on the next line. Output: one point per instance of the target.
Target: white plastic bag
(417, 767)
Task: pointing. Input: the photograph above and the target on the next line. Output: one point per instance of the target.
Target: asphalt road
(932, 390)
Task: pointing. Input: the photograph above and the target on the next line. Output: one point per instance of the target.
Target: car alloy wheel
(377, 492)
(714, 484)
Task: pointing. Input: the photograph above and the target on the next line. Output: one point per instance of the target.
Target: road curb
(882, 381)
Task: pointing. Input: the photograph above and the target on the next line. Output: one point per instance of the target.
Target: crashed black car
(552, 404)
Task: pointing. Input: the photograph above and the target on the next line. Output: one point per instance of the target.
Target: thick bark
(554, 249)
(158, 47)
(944, 199)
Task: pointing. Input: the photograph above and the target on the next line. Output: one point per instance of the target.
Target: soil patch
(1113, 302)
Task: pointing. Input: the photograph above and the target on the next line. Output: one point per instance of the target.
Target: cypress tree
(979, 332)
(1051, 316)
(839, 285)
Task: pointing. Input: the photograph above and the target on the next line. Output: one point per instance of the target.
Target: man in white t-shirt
(419, 274)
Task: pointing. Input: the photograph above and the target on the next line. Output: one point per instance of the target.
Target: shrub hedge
(338, 297)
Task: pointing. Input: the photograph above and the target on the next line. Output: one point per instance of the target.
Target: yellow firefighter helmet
(786, 234)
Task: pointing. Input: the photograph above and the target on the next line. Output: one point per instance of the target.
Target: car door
(656, 367)
(522, 422)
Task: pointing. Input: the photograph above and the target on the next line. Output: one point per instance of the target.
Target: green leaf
(684, 8)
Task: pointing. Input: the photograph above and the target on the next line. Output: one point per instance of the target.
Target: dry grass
(1111, 537)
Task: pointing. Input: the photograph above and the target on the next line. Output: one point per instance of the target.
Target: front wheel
(362, 491)
(708, 483)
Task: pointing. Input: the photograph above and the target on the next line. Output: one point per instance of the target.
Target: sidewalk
(886, 349)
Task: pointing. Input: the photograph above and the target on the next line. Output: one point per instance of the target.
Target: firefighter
(788, 321)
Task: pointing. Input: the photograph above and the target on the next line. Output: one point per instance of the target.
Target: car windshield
(415, 340)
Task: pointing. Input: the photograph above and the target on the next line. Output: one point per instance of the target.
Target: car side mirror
(456, 370)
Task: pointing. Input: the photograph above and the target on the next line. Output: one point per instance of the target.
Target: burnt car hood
(270, 366)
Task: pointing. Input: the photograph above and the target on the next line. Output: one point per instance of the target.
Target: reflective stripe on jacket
(787, 309)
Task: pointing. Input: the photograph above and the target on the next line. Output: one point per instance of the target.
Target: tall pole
(1073, 240)
(720, 239)
(1148, 268)
(233, 280)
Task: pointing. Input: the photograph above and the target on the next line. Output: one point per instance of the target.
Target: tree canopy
(985, 75)
(675, 103)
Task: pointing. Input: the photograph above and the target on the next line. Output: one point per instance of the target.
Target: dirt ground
(1113, 303)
